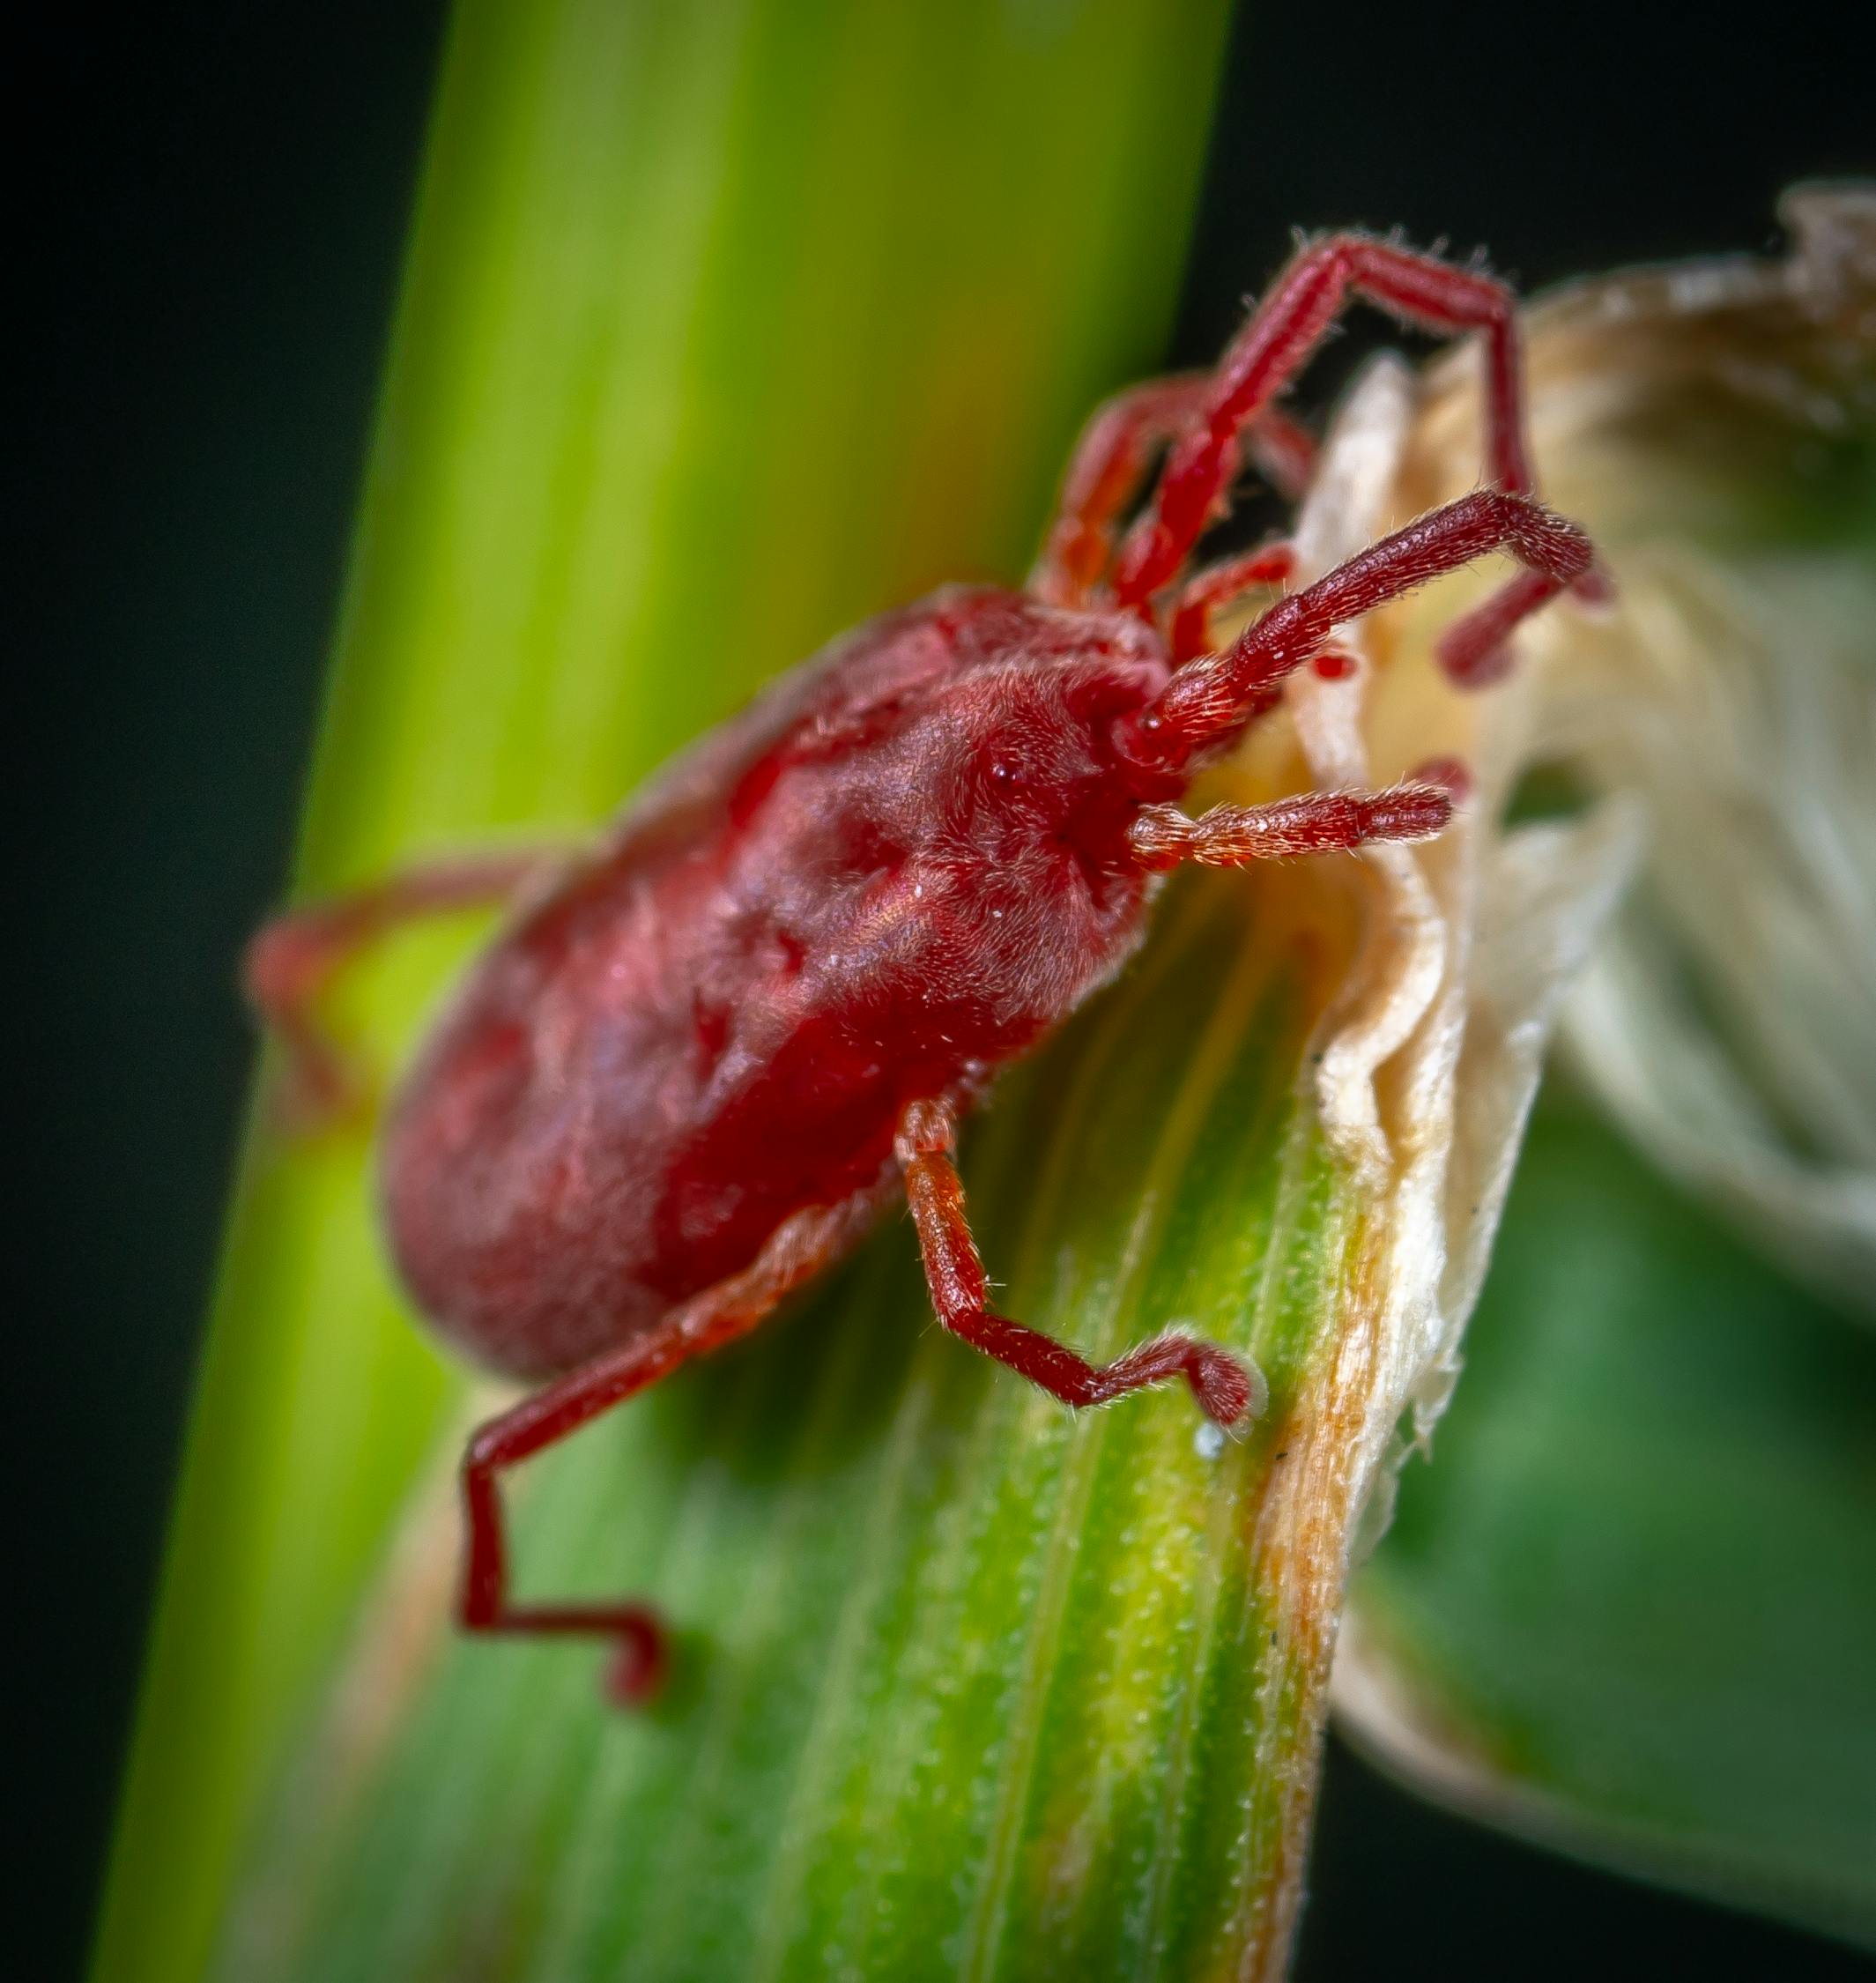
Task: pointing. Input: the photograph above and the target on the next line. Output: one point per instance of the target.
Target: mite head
(1028, 767)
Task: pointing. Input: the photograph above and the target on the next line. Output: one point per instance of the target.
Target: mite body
(898, 870)
(701, 1057)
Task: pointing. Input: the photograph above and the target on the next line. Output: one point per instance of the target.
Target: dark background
(211, 206)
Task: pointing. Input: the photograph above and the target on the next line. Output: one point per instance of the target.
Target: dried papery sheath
(1715, 425)
(1425, 1064)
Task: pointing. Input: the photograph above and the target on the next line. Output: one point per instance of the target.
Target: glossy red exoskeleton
(701, 1056)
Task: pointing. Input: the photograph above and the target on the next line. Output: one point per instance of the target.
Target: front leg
(1111, 458)
(1210, 702)
(1316, 822)
(1222, 584)
(1227, 1391)
(1283, 333)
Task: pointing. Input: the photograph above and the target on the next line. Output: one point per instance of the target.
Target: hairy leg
(1226, 1390)
(1209, 704)
(1278, 342)
(1312, 823)
(1202, 594)
(1476, 649)
(1111, 459)
(799, 1250)
(290, 960)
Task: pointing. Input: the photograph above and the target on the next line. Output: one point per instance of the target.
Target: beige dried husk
(1714, 425)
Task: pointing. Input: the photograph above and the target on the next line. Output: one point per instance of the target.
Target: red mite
(702, 1056)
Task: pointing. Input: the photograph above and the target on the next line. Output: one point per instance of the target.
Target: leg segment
(1110, 459)
(800, 1249)
(1208, 704)
(1313, 823)
(1217, 584)
(1112, 456)
(1284, 451)
(1226, 1389)
(1475, 651)
(290, 960)
(1288, 324)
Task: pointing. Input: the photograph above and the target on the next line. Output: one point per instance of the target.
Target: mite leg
(800, 1249)
(1277, 343)
(1284, 451)
(1109, 461)
(1476, 651)
(1312, 823)
(1111, 458)
(1207, 704)
(290, 960)
(1226, 1390)
(1271, 564)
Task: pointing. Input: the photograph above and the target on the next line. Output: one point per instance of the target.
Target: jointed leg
(1277, 343)
(1312, 823)
(1109, 458)
(799, 1250)
(1205, 705)
(1475, 651)
(1283, 451)
(1112, 456)
(1271, 564)
(1226, 1389)
(292, 959)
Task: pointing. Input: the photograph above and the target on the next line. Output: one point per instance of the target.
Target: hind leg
(290, 960)
(799, 1250)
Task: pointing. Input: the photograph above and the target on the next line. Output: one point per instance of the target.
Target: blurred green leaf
(1630, 1610)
